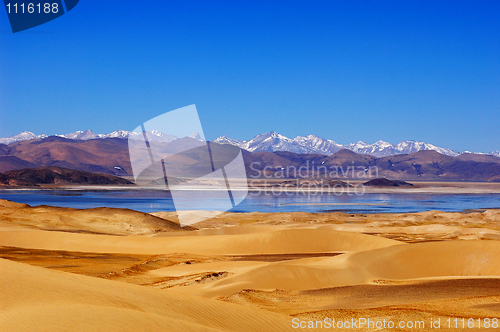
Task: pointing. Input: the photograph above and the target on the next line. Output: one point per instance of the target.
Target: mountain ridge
(273, 141)
(57, 175)
(269, 142)
(111, 156)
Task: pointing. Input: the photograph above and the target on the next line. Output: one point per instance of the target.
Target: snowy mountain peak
(382, 143)
(196, 136)
(158, 136)
(81, 135)
(119, 134)
(270, 142)
(25, 135)
(226, 140)
(273, 141)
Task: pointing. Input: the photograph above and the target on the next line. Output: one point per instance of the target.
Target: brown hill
(100, 155)
(494, 179)
(4, 149)
(431, 165)
(301, 159)
(265, 164)
(8, 163)
(422, 165)
(57, 175)
(483, 158)
(3, 179)
(111, 156)
(269, 163)
(346, 158)
(383, 182)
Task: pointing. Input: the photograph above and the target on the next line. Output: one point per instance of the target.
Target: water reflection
(149, 201)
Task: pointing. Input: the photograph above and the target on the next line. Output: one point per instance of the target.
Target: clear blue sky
(343, 70)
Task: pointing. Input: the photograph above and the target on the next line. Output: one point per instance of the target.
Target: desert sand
(122, 270)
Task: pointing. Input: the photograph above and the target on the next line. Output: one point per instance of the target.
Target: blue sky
(347, 71)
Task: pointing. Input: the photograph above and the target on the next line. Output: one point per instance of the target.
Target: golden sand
(122, 270)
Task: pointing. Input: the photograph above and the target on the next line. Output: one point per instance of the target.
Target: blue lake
(149, 201)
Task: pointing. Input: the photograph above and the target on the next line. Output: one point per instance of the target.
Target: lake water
(150, 201)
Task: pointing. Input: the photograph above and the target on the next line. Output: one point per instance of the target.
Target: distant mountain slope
(8, 163)
(422, 165)
(57, 175)
(383, 182)
(111, 156)
(272, 142)
(480, 157)
(103, 155)
(4, 179)
(347, 158)
(4, 149)
(267, 142)
(24, 136)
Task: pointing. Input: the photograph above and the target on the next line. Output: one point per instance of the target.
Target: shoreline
(422, 188)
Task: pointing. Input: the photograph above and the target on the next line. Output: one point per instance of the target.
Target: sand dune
(37, 299)
(8, 204)
(421, 260)
(279, 242)
(98, 220)
(484, 291)
(305, 265)
(188, 216)
(187, 269)
(486, 219)
(436, 230)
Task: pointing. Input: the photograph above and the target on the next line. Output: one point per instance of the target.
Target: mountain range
(272, 142)
(111, 156)
(268, 142)
(89, 135)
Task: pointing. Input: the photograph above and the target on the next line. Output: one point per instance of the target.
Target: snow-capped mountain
(158, 136)
(269, 142)
(118, 134)
(273, 141)
(153, 135)
(383, 149)
(25, 135)
(83, 135)
(375, 149)
(318, 144)
(89, 134)
(226, 140)
(196, 136)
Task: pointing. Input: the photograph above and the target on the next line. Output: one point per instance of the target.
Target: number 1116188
(31, 8)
